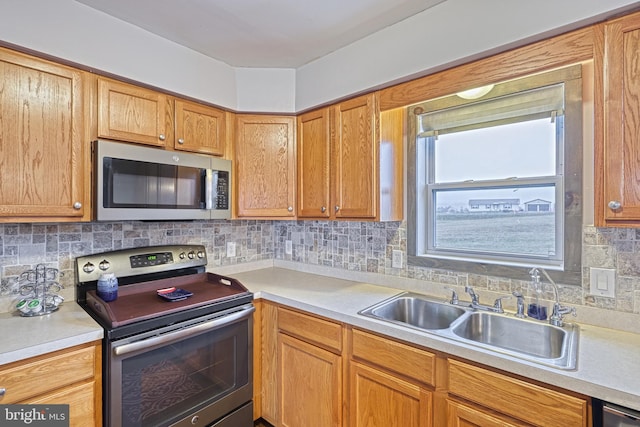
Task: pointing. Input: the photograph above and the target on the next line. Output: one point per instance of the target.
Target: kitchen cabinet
(390, 383)
(309, 370)
(350, 162)
(265, 166)
(459, 415)
(44, 161)
(135, 114)
(521, 400)
(71, 376)
(617, 151)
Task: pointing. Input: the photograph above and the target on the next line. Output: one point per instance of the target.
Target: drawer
(394, 356)
(314, 330)
(43, 374)
(516, 398)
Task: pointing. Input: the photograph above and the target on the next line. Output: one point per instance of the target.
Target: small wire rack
(39, 290)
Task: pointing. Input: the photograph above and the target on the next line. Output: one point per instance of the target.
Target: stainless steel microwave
(143, 183)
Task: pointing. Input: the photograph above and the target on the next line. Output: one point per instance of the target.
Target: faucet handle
(519, 304)
(497, 304)
(454, 296)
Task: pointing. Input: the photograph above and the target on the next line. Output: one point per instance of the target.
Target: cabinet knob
(290, 208)
(323, 209)
(161, 137)
(77, 205)
(180, 141)
(614, 205)
(337, 208)
(2, 391)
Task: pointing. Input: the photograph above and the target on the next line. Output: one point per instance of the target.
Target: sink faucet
(559, 310)
(475, 302)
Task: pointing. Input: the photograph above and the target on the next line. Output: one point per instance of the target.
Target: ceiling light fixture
(475, 93)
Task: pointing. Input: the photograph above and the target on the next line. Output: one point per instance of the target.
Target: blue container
(107, 287)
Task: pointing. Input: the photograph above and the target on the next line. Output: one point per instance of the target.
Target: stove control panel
(137, 261)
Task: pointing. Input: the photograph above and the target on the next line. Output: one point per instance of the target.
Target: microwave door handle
(208, 188)
(184, 333)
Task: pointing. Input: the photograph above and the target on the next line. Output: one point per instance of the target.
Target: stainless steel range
(182, 362)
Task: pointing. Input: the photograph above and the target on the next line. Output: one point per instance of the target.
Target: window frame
(571, 156)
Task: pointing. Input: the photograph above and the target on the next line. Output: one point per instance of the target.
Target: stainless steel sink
(531, 340)
(415, 311)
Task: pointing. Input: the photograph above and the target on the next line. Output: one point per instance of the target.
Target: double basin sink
(532, 340)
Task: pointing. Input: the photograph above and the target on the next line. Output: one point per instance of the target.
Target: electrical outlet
(603, 282)
(396, 259)
(231, 249)
(288, 247)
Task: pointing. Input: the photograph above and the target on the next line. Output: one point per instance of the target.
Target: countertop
(24, 337)
(608, 360)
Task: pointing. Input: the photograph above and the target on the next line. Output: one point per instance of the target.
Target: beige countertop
(24, 337)
(608, 361)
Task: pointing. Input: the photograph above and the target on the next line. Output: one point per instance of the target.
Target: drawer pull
(2, 391)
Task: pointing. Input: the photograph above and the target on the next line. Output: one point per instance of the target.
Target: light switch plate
(396, 260)
(603, 282)
(288, 247)
(231, 249)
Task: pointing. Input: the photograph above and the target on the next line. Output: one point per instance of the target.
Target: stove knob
(88, 267)
(192, 255)
(182, 255)
(200, 254)
(104, 265)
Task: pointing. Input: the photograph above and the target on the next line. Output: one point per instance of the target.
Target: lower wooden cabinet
(459, 415)
(318, 372)
(71, 376)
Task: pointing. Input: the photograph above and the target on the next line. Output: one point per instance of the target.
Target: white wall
(266, 89)
(450, 33)
(78, 33)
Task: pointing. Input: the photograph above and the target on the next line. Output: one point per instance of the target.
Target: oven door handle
(184, 333)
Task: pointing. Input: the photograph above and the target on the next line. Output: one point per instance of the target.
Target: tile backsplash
(354, 246)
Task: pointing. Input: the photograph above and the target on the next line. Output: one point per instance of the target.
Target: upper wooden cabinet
(314, 154)
(44, 161)
(131, 113)
(350, 162)
(617, 147)
(265, 166)
(135, 114)
(199, 128)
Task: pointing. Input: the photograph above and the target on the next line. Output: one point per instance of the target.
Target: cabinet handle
(77, 205)
(2, 391)
(337, 208)
(180, 141)
(161, 137)
(614, 205)
(323, 209)
(290, 208)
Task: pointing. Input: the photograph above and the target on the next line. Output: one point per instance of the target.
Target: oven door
(192, 373)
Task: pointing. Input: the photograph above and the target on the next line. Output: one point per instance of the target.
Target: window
(497, 181)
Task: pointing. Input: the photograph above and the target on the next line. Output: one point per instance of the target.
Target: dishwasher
(610, 415)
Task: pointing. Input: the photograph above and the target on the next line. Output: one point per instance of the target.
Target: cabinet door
(199, 128)
(465, 416)
(355, 160)
(81, 401)
(310, 385)
(380, 399)
(43, 159)
(621, 147)
(131, 113)
(314, 148)
(265, 166)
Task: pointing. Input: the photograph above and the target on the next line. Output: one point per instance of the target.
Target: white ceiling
(262, 33)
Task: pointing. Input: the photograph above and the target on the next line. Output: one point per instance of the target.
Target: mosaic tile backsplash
(356, 246)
